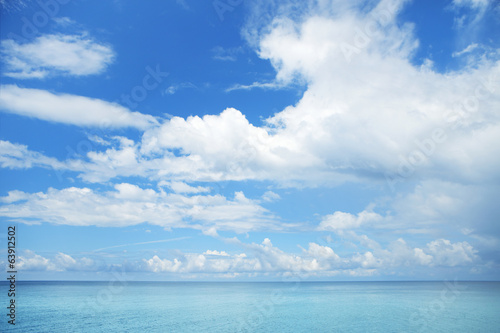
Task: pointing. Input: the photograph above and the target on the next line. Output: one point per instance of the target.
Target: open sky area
(251, 140)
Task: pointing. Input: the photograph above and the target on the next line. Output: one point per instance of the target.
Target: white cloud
(181, 187)
(223, 147)
(261, 85)
(270, 196)
(64, 21)
(16, 156)
(322, 252)
(341, 220)
(35, 262)
(317, 260)
(129, 205)
(176, 87)
(216, 253)
(50, 55)
(70, 109)
(31, 261)
(156, 264)
(267, 260)
(451, 254)
(471, 22)
(365, 114)
(468, 49)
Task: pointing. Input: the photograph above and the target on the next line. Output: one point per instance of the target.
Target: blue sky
(238, 140)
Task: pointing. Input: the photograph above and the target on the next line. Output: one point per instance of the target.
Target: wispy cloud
(226, 54)
(172, 89)
(142, 243)
(16, 156)
(468, 49)
(261, 85)
(50, 55)
(70, 109)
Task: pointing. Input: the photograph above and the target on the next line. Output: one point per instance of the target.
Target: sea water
(254, 307)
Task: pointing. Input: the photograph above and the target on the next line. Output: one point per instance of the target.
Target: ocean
(254, 307)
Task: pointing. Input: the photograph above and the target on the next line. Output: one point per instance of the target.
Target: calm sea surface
(254, 307)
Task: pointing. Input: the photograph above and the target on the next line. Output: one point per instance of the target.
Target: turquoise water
(255, 307)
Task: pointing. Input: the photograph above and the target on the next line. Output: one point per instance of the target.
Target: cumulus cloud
(368, 113)
(70, 109)
(35, 262)
(266, 259)
(451, 254)
(156, 264)
(50, 55)
(30, 261)
(317, 260)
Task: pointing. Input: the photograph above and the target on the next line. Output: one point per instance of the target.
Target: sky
(234, 140)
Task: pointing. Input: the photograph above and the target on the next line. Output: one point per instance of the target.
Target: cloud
(176, 87)
(261, 85)
(471, 20)
(265, 259)
(433, 207)
(468, 49)
(226, 54)
(341, 220)
(70, 109)
(64, 21)
(270, 196)
(322, 252)
(368, 111)
(317, 260)
(156, 264)
(30, 261)
(50, 55)
(142, 243)
(180, 187)
(368, 114)
(129, 204)
(448, 254)
(440, 206)
(16, 156)
(223, 147)
(35, 262)
(216, 253)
